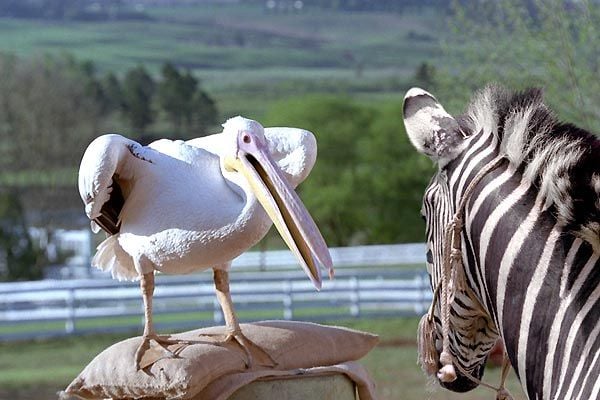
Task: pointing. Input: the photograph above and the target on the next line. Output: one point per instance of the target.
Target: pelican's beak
(283, 206)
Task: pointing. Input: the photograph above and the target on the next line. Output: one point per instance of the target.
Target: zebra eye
(429, 257)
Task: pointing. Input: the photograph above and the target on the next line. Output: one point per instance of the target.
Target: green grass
(51, 177)
(247, 58)
(40, 369)
(231, 38)
(134, 323)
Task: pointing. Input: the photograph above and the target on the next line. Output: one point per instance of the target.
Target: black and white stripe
(531, 239)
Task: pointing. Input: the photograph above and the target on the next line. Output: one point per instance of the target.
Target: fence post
(89, 252)
(423, 289)
(70, 303)
(217, 312)
(288, 301)
(262, 256)
(354, 297)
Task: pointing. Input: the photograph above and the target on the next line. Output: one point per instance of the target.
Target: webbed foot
(155, 347)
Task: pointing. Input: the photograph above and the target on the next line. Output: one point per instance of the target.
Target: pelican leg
(233, 330)
(153, 346)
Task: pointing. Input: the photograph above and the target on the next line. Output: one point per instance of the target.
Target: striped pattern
(528, 252)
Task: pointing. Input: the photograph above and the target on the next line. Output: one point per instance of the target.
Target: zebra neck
(540, 284)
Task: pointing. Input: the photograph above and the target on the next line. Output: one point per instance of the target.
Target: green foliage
(204, 113)
(112, 99)
(394, 176)
(138, 89)
(367, 184)
(175, 93)
(19, 259)
(47, 109)
(330, 193)
(54, 106)
(184, 102)
(552, 44)
(425, 76)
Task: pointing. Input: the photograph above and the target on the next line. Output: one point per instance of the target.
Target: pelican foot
(253, 352)
(155, 347)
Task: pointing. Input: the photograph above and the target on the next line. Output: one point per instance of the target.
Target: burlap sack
(290, 344)
(222, 388)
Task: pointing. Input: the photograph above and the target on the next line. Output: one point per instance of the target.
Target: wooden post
(70, 303)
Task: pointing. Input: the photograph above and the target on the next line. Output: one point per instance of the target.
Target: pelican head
(248, 153)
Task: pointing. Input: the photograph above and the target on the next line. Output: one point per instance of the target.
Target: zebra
(517, 196)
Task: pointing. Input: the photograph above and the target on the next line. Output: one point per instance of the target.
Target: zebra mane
(562, 160)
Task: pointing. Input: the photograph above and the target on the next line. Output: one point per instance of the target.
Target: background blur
(71, 70)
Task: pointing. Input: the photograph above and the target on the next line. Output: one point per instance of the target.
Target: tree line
(54, 106)
(367, 184)
(51, 108)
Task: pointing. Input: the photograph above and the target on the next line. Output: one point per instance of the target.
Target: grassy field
(246, 57)
(230, 38)
(39, 369)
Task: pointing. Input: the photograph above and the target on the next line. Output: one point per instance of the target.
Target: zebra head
(471, 332)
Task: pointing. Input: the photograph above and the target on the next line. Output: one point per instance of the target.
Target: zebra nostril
(429, 257)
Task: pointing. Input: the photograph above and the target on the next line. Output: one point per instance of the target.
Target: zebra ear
(430, 128)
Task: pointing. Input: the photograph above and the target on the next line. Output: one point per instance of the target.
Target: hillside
(243, 52)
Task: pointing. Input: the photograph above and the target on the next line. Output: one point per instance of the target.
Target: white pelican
(178, 207)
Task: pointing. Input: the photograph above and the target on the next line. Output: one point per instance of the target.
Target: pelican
(183, 206)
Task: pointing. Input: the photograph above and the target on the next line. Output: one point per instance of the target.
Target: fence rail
(370, 281)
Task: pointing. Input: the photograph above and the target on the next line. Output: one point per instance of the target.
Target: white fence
(370, 281)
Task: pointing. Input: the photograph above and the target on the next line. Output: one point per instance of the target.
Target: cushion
(290, 344)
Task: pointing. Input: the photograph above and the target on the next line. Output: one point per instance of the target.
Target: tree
(19, 259)
(113, 93)
(394, 177)
(552, 44)
(185, 103)
(331, 193)
(44, 111)
(367, 185)
(47, 119)
(204, 113)
(138, 91)
(425, 76)
(175, 92)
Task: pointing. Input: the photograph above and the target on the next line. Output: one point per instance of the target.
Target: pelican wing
(294, 150)
(105, 166)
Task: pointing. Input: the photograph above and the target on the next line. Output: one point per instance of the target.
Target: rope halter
(453, 279)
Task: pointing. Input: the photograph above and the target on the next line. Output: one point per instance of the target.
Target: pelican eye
(246, 138)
